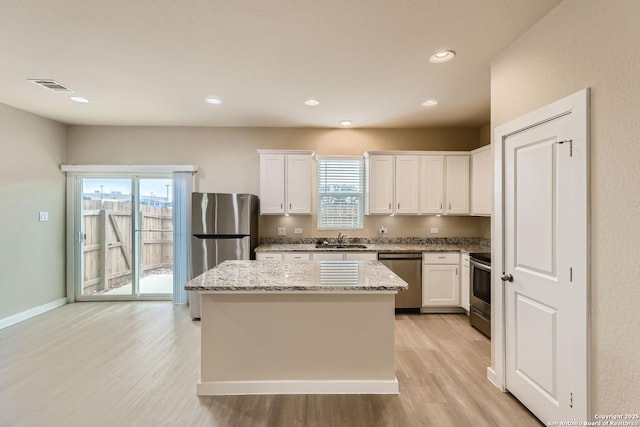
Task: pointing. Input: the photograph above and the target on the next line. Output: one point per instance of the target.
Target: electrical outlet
(44, 216)
(382, 230)
(282, 231)
(297, 230)
(434, 230)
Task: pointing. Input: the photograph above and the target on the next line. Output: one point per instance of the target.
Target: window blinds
(340, 193)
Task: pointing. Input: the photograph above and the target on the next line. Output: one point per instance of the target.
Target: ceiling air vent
(51, 85)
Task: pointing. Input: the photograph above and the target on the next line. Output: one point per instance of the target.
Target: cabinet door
(297, 256)
(361, 256)
(328, 256)
(407, 184)
(464, 283)
(268, 256)
(381, 186)
(457, 185)
(431, 184)
(481, 182)
(440, 285)
(298, 184)
(272, 184)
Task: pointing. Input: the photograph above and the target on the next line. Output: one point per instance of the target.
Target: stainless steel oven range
(480, 292)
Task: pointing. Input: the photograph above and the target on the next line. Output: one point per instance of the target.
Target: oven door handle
(480, 266)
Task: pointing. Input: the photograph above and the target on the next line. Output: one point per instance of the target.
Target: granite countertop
(284, 276)
(380, 247)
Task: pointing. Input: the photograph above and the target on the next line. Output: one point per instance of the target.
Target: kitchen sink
(343, 246)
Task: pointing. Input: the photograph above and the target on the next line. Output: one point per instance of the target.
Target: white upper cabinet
(393, 184)
(407, 184)
(481, 181)
(380, 184)
(444, 184)
(298, 184)
(431, 184)
(457, 185)
(285, 182)
(416, 183)
(272, 183)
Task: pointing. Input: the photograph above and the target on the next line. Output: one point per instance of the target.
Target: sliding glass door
(155, 237)
(125, 238)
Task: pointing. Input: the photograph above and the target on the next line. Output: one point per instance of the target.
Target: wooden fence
(107, 257)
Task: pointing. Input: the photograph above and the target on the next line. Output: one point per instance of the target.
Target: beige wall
(32, 253)
(228, 162)
(593, 43)
(485, 135)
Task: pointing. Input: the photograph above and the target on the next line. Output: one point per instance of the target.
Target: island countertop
(297, 276)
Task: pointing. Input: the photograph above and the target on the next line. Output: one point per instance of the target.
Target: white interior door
(544, 301)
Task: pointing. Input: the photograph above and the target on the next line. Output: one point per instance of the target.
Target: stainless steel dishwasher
(409, 267)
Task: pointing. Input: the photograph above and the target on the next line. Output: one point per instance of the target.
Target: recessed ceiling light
(346, 123)
(442, 56)
(79, 99)
(214, 101)
(430, 103)
(311, 102)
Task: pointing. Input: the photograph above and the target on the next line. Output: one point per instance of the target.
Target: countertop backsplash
(467, 241)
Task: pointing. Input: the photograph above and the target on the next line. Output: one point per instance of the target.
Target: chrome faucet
(340, 239)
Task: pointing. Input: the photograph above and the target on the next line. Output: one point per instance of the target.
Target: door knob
(506, 278)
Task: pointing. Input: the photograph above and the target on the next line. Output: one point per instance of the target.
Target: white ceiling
(153, 62)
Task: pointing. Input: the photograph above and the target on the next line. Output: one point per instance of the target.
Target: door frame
(75, 210)
(577, 105)
(73, 223)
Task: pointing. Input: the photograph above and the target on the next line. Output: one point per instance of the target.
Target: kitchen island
(311, 327)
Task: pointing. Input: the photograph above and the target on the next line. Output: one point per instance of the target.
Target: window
(340, 193)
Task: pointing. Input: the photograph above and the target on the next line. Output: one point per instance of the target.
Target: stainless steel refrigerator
(223, 227)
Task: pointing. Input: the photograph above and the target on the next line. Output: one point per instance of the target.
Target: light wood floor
(137, 363)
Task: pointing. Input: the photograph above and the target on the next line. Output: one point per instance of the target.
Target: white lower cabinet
(315, 256)
(465, 284)
(268, 256)
(280, 256)
(297, 256)
(441, 280)
(349, 256)
(327, 256)
(361, 256)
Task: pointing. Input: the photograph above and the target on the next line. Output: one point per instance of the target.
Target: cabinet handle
(290, 205)
(389, 205)
(281, 205)
(456, 271)
(440, 205)
(398, 205)
(449, 206)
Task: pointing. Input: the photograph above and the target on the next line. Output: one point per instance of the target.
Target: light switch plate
(282, 231)
(44, 216)
(434, 231)
(297, 230)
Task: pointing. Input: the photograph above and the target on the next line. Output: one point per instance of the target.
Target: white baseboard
(442, 310)
(216, 388)
(32, 312)
(491, 376)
